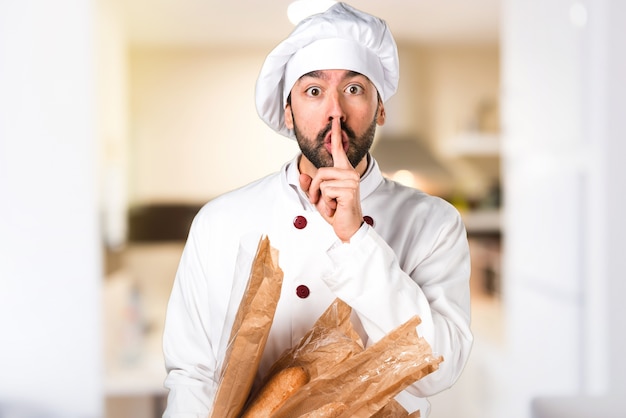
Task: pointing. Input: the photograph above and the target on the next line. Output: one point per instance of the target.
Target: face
(319, 97)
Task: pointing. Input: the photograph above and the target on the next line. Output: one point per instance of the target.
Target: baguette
(276, 391)
(330, 410)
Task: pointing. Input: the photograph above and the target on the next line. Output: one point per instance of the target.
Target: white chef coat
(412, 260)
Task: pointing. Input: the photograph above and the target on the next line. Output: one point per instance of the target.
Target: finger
(312, 190)
(329, 206)
(340, 159)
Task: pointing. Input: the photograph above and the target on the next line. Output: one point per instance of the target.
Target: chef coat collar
(369, 180)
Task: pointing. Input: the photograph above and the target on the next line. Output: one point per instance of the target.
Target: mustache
(322, 135)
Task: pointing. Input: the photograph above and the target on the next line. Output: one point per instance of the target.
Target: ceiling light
(404, 177)
(301, 9)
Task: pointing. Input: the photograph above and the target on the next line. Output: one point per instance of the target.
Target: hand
(335, 190)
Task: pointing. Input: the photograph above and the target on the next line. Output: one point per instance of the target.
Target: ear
(288, 117)
(380, 117)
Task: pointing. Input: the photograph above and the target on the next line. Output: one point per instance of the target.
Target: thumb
(305, 182)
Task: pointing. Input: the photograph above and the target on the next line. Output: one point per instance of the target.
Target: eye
(354, 89)
(313, 91)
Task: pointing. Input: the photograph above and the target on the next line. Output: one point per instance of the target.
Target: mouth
(344, 141)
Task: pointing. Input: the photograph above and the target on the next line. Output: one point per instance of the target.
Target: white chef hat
(339, 38)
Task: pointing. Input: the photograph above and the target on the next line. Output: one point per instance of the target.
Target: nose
(335, 106)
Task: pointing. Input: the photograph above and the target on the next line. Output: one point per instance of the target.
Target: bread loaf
(276, 391)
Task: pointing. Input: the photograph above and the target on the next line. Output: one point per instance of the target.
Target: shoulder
(234, 198)
(240, 204)
(414, 201)
(407, 216)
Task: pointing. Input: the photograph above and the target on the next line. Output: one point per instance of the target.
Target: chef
(342, 230)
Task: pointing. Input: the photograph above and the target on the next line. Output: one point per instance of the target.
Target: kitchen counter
(140, 380)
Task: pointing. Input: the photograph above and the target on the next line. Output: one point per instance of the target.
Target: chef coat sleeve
(190, 358)
(369, 278)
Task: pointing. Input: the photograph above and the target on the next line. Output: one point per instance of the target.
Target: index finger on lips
(340, 159)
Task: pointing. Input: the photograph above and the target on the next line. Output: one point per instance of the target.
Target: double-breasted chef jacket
(409, 258)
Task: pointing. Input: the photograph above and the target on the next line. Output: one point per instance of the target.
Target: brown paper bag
(249, 333)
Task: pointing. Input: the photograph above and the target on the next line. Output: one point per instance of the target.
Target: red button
(368, 220)
(299, 222)
(302, 291)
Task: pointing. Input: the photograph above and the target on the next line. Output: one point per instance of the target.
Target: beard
(316, 153)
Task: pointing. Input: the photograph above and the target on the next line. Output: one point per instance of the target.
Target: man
(341, 229)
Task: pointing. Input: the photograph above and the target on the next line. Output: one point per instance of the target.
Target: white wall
(563, 103)
(113, 115)
(195, 132)
(614, 130)
(50, 269)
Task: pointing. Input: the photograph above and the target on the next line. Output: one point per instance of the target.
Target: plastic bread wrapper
(331, 340)
(365, 381)
(249, 333)
(394, 410)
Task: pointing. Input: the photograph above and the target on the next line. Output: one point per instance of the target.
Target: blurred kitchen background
(119, 119)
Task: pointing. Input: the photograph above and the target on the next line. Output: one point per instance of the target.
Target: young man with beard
(341, 229)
